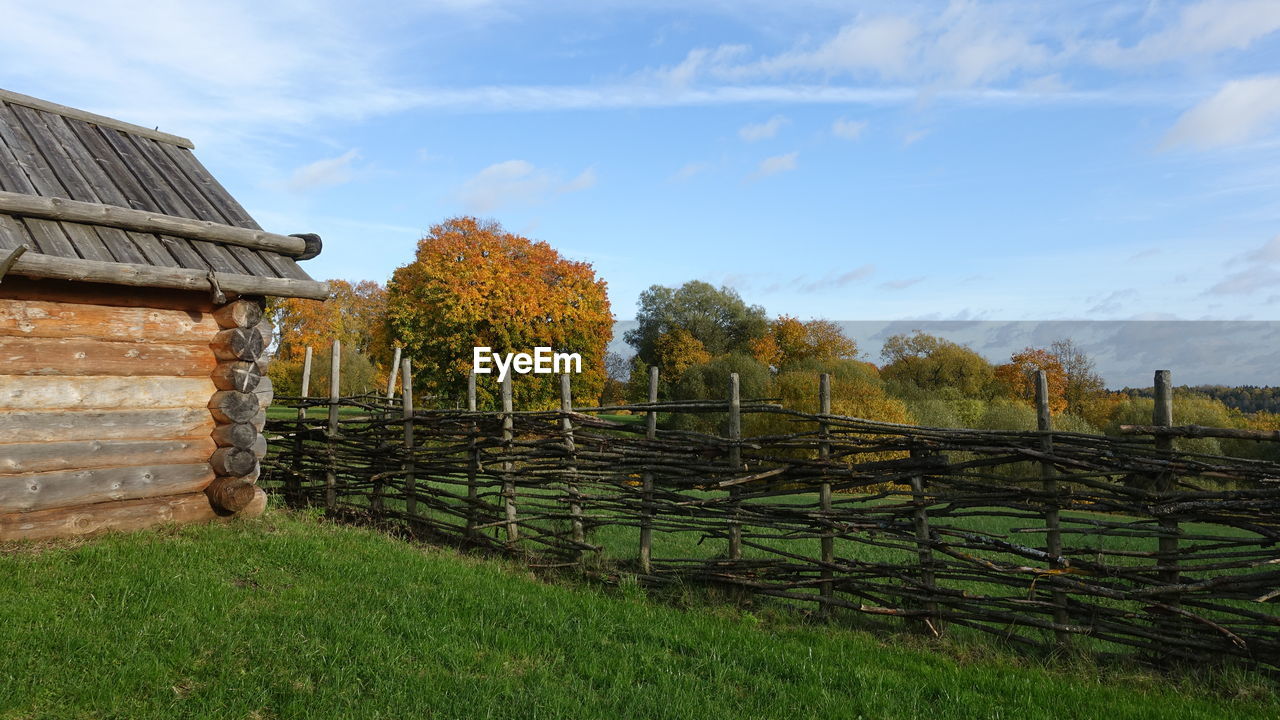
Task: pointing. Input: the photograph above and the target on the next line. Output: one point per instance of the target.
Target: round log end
(312, 245)
(238, 344)
(231, 407)
(232, 494)
(233, 461)
(242, 313)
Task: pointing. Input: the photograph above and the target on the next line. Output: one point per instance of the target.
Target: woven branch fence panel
(1048, 539)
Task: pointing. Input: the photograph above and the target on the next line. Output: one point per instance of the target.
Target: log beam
(122, 516)
(64, 210)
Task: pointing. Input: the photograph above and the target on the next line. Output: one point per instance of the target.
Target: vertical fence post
(571, 469)
(294, 488)
(1162, 416)
(824, 491)
(1048, 476)
(920, 516)
(508, 466)
(331, 477)
(406, 403)
(391, 374)
(735, 464)
(646, 490)
(473, 459)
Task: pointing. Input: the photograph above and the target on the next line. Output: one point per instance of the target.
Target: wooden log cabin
(133, 347)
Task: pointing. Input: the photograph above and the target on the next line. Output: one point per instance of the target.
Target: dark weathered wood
(335, 392)
(40, 491)
(571, 484)
(406, 398)
(646, 482)
(241, 376)
(508, 467)
(233, 461)
(1049, 481)
(244, 344)
(122, 516)
(237, 435)
(238, 314)
(231, 407)
(231, 494)
(65, 268)
(735, 462)
(7, 259)
(473, 461)
(210, 187)
(1162, 416)
(13, 98)
(827, 550)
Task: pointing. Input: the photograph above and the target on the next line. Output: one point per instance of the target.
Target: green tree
(932, 363)
(718, 319)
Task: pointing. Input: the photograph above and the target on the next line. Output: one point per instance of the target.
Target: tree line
(472, 283)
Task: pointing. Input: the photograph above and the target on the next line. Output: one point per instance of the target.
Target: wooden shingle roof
(97, 199)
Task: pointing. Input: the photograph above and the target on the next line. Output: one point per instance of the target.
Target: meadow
(292, 616)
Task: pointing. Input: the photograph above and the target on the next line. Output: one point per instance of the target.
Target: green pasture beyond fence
(1048, 539)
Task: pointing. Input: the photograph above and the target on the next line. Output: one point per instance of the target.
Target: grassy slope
(287, 617)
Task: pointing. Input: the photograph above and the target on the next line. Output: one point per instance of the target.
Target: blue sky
(855, 161)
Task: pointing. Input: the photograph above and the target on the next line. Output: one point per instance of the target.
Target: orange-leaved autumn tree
(474, 284)
(1017, 376)
(789, 341)
(678, 350)
(355, 314)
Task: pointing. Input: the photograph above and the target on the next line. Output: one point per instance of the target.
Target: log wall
(109, 403)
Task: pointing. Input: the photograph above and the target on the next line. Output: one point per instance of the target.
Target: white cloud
(764, 130)
(517, 182)
(324, 173)
(776, 164)
(1261, 271)
(1242, 110)
(848, 129)
(903, 283)
(1204, 28)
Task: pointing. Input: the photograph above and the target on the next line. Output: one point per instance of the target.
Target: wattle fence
(1049, 539)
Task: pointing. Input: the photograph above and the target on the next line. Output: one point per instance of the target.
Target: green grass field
(291, 617)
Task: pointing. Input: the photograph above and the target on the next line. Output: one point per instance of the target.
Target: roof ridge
(51, 107)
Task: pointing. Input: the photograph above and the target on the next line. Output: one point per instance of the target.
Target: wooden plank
(32, 392)
(218, 258)
(178, 182)
(45, 319)
(153, 249)
(34, 166)
(41, 491)
(183, 252)
(50, 238)
(124, 516)
(13, 234)
(12, 176)
(157, 189)
(64, 425)
(212, 189)
(90, 356)
(87, 293)
(250, 261)
(71, 181)
(285, 267)
(36, 265)
(51, 107)
(102, 213)
(40, 457)
(113, 167)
